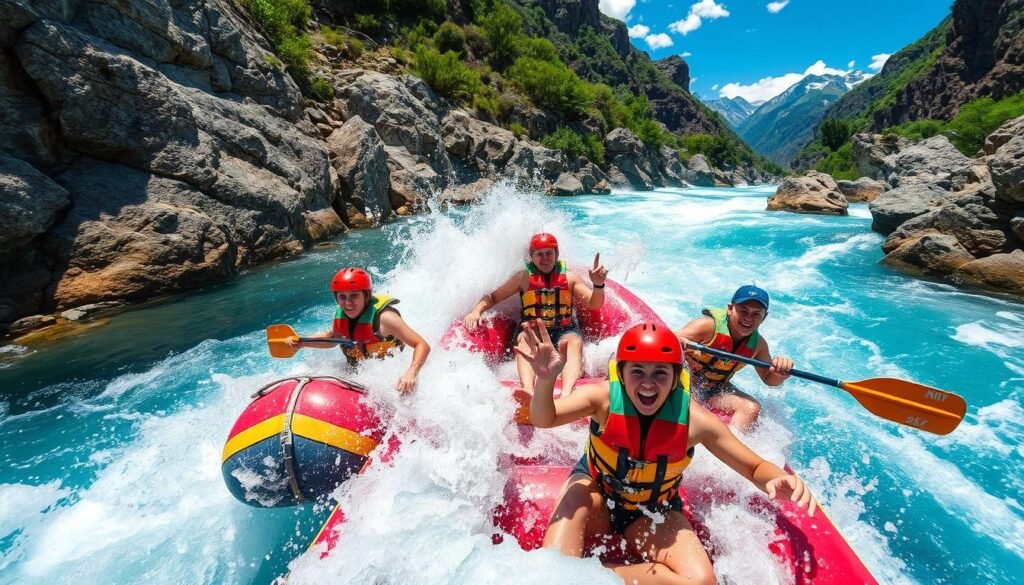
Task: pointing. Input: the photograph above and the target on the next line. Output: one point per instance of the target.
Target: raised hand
(793, 487)
(598, 273)
(541, 354)
(471, 320)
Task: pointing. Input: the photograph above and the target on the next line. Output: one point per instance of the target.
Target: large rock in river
(1002, 272)
(863, 189)
(814, 193)
(892, 208)
(928, 254)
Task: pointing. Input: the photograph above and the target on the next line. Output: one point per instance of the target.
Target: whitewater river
(110, 473)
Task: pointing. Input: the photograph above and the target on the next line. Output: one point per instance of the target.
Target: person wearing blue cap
(733, 329)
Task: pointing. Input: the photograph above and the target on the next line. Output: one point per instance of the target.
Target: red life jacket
(364, 330)
(548, 296)
(635, 474)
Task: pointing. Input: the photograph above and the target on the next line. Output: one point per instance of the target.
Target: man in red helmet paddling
(643, 428)
(372, 321)
(547, 290)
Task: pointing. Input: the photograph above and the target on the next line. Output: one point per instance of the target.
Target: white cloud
(693, 80)
(685, 26)
(639, 31)
(877, 61)
(851, 64)
(714, 87)
(658, 41)
(709, 9)
(775, 7)
(617, 8)
(769, 87)
(686, 54)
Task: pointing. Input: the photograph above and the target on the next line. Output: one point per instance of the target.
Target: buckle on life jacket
(617, 486)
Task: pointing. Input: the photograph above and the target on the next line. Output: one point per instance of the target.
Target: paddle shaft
(339, 340)
(761, 364)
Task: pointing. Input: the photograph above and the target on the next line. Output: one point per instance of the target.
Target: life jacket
(548, 296)
(364, 330)
(634, 474)
(710, 371)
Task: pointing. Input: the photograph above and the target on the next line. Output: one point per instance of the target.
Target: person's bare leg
(744, 408)
(672, 550)
(526, 375)
(580, 511)
(571, 348)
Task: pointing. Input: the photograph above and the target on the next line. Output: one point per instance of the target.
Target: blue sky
(758, 48)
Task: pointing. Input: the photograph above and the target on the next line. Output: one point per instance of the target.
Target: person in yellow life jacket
(643, 428)
(733, 329)
(547, 291)
(372, 322)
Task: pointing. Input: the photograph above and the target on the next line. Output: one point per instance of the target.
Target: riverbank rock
(863, 189)
(894, 207)
(699, 172)
(814, 193)
(566, 184)
(357, 153)
(1006, 164)
(1001, 272)
(928, 254)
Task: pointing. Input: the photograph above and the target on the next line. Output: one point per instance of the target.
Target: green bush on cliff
(839, 164)
(575, 146)
(834, 133)
(980, 117)
(918, 129)
(449, 37)
(283, 22)
(350, 47)
(322, 89)
(719, 150)
(447, 74)
(503, 28)
(551, 86)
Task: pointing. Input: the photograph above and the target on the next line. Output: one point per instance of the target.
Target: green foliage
(575, 146)
(446, 74)
(284, 21)
(551, 86)
(601, 56)
(420, 35)
(449, 37)
(839, 164)
(476, 40)
(536, 48)
(834, 133)
(719, 150)
(980, 117)
(350, 47)
(273, 61)
(322, 89)
(918, 129)
(503, 28)
(367, 23)
(518, 130)
(401, 55)
(486, 101)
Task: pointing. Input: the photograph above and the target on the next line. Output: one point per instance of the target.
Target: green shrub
(551, 86)
(401, 55)
(536, 48)
(447, 74)
(980, 117)
(839, 164)
(350, 47)
(322, 89)
(518, 130)
(834, 133)
(719, 150)
(296, 52)
(273, 61)
(575, 146)
(283, 22)
(367, 23)
(476, 40)
(503, 28)
(918, 129)
(486, 100)
(420, 35)
(449, 37)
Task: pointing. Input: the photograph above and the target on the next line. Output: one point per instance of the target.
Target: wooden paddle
(900, 401)
(277, 340)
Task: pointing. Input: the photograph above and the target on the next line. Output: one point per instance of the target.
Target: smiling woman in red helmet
(547, 291)
(643, 428)
(372, 322)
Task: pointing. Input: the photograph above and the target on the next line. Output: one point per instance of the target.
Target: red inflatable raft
(812, 548)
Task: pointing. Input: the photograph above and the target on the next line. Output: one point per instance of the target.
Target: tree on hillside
(834, 133)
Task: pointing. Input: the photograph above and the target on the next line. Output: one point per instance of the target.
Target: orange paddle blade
(909, 403)
(277, 340)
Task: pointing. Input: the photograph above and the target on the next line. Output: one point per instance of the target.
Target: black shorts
(620, 517)
(555, 333)
(704, 391)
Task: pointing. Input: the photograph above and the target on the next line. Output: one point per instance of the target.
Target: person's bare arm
(781, 368)
(592, 297)
(509, 288)
(700, 330)
(392, 324)
(708, 430)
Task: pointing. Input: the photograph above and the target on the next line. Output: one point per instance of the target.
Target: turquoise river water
(112, 438)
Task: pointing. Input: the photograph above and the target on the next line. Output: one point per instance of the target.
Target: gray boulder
(894, 207)
(30, 203)
(814, 193)
(870, 152)
(566, 184)
(413, 181)
(699, 172)
(1004, 134)
(979, 229)
(928, 254)
(357, 154)
(934, 161)
(1006, 165)
(863, 189)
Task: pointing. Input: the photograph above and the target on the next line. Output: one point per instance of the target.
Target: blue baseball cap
(749, 292)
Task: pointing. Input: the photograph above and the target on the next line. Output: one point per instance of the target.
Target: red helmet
(351, 278)
(648, 342)
(541, 241)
